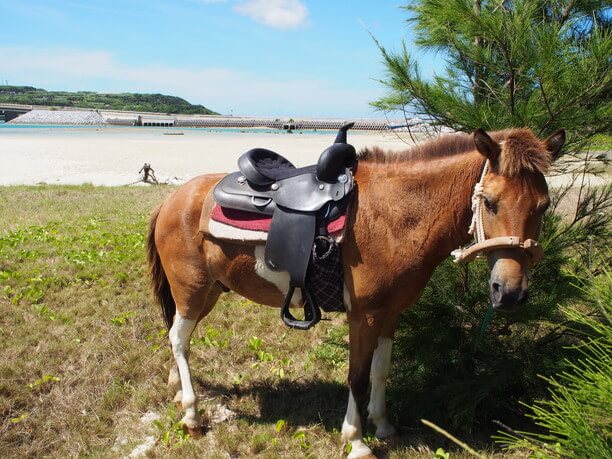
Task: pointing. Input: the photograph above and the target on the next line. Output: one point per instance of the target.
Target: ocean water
(46, 129)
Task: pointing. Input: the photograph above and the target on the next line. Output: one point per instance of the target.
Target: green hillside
(158, 103)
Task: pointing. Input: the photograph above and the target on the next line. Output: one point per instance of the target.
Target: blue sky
(245, 57)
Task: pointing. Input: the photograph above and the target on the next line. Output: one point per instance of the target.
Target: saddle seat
(263, 167)
(301, 202)
(267, 180)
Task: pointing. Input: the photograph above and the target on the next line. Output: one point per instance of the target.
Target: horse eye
(490, 206)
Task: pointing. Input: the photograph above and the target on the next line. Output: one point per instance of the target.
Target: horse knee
(381, 359)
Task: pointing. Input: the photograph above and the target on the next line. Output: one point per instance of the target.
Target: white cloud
(220, 89)
(279, 14)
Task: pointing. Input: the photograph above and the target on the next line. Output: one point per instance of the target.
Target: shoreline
(112, 156)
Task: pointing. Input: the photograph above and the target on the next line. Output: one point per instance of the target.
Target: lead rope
(476, 226)
(477, 221)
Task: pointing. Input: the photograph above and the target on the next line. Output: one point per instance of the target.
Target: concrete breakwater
(205, 121)
(81, 118)
(76, 116)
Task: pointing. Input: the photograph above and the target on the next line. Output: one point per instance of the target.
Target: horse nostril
(496, 292)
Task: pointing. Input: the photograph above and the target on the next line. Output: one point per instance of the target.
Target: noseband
(483, 245)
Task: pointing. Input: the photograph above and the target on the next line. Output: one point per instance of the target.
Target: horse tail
(159, 280)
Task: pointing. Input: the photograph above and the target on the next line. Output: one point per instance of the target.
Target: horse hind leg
(180, 374)
(180, 333)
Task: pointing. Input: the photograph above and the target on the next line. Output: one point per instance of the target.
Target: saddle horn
(341, 137)
(336, 158)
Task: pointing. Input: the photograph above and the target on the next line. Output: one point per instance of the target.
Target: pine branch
(541, 85)
(566, 13)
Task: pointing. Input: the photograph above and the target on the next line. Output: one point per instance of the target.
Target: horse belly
(242, 269)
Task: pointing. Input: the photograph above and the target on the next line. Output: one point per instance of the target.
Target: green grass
(601, 142)
(85, 354)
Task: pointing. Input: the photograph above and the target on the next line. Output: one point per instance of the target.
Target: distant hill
(158, 103)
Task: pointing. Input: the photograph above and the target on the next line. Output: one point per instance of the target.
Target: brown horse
(411, 209)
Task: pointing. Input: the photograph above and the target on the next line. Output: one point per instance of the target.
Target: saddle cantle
(301, 201)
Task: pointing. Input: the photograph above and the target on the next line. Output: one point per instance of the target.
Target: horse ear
(486, 145)
(555, 142)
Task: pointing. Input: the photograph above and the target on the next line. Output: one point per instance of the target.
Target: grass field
(85, 356)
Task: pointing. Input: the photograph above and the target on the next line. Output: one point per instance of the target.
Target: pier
(9, 112)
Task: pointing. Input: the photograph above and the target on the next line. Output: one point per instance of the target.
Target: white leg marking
(179, 338)
(351, 430)
(347, 298)
(377, 410)
(279, 278)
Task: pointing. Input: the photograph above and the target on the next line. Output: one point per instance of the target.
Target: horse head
(514, 197)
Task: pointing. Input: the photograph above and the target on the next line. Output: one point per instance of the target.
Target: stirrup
(312, 313)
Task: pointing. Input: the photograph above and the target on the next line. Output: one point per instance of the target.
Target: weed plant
(575, 417)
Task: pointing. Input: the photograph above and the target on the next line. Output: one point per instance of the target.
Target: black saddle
(301, 202)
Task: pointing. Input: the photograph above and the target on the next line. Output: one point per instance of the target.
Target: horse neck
(425, 204)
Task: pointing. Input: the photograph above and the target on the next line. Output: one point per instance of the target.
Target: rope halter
(483, 245)
(477, 225)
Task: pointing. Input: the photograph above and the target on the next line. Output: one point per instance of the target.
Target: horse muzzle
(506, 299)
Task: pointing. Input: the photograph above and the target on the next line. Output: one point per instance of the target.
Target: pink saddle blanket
(240, 225)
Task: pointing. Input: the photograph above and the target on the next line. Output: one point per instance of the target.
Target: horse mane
(521, 150)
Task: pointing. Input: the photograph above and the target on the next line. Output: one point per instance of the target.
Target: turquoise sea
(6, 128)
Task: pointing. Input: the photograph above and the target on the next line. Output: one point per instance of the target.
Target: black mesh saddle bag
(324, 278)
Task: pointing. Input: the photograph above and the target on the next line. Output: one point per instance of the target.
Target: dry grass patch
(86, 357)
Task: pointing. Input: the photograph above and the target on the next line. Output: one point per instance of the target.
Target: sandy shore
(113, 156)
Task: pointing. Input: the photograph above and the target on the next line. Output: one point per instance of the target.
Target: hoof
(385, 431)
(367, 456)
(194, 432)
(359, 450)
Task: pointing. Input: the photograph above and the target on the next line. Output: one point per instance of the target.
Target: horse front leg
(377, 409)
(363, 333)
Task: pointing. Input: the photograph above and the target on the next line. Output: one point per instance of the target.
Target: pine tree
(544, 64)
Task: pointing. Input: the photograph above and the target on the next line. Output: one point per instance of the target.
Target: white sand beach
(113, 156)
